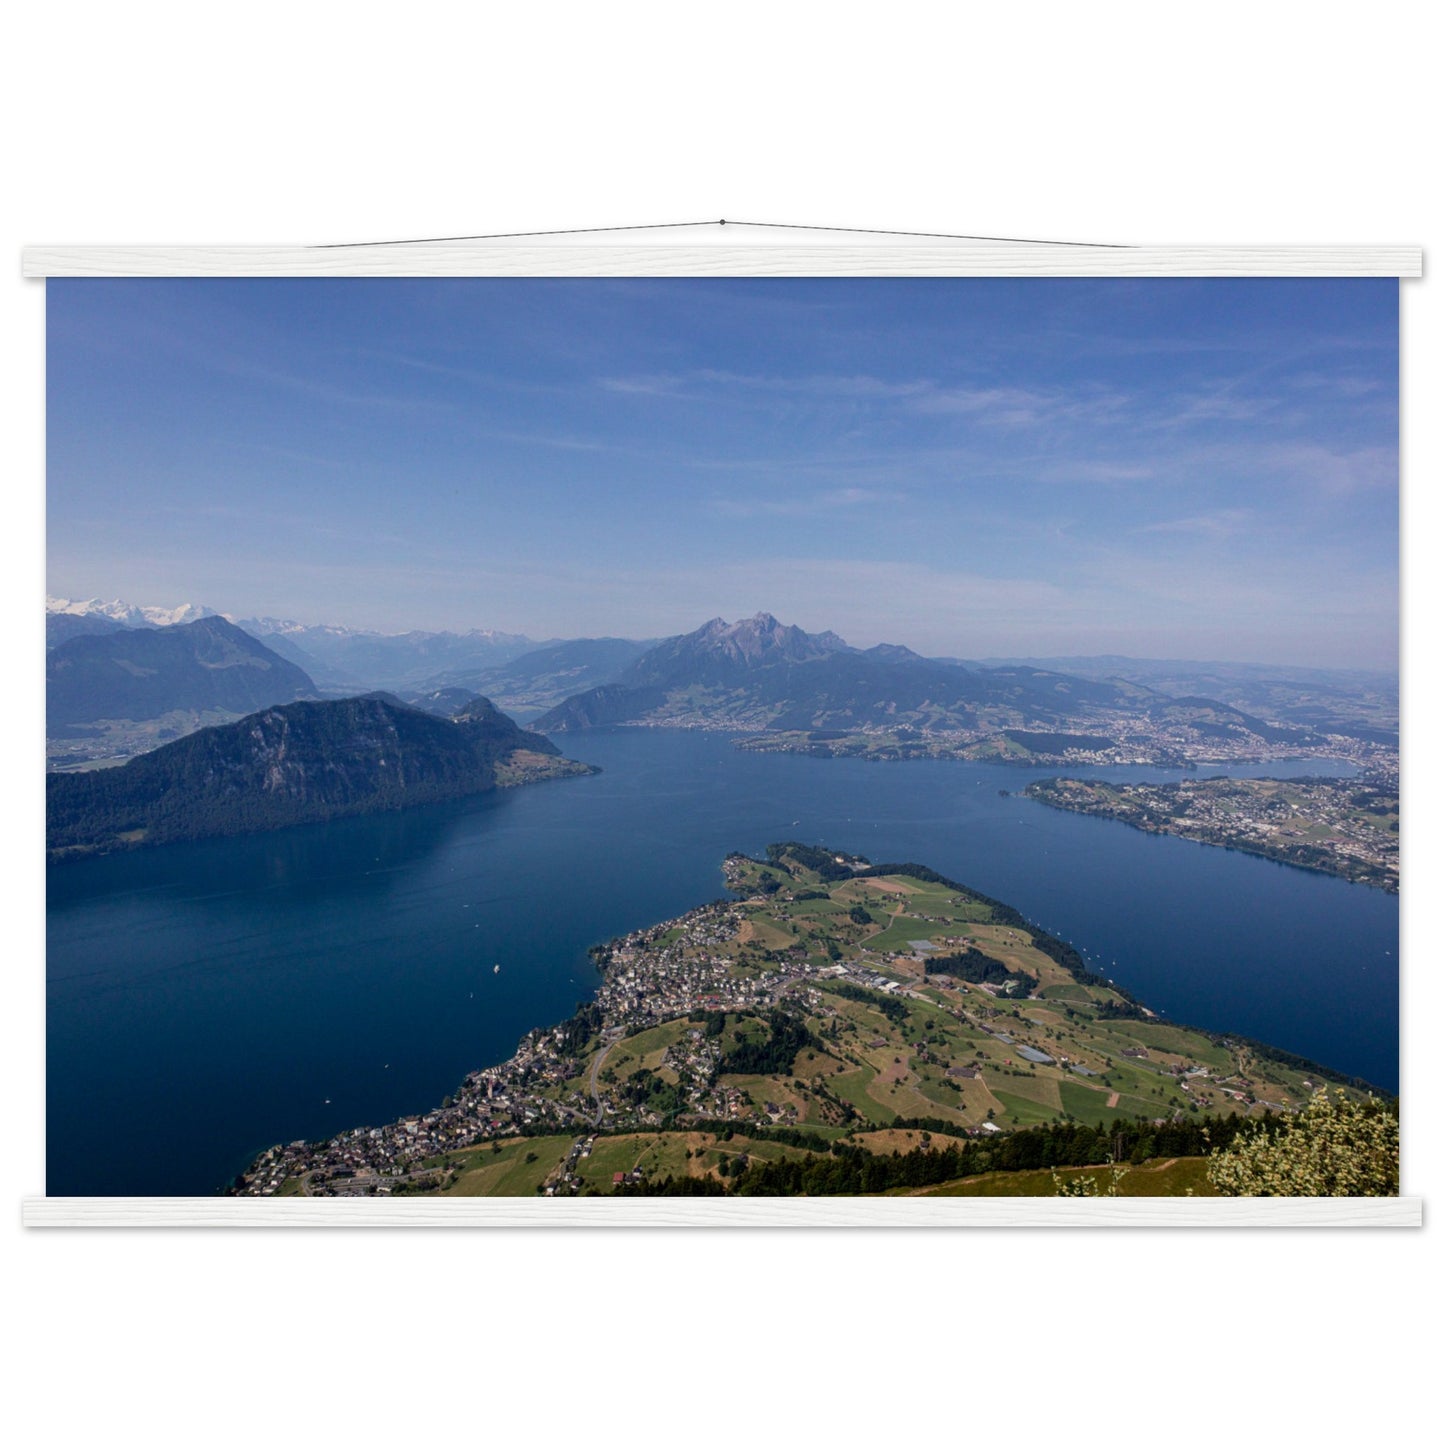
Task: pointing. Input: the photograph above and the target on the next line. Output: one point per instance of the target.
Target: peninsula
(838, 1026)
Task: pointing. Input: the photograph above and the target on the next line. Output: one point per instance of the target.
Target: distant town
(1129, 743)
(1347, 827)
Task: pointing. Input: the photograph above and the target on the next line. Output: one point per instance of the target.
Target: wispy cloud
(1074, 470)
(1351, 388)
(1218, 404)
(1335, 472)
(1002, 406)
(919, 396)
(1013, 406)
(707, 383)
(803, 504)
(1218, 526)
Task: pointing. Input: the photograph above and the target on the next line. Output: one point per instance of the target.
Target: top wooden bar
(753, 259)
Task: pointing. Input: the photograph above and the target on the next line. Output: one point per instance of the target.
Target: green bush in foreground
(1334, 1146)
(1086, 1186)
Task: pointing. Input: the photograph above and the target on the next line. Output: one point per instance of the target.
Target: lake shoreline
(361, 953)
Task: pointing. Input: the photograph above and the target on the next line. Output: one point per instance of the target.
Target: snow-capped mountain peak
(127, 613)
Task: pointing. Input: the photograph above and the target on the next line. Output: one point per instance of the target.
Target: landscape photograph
(539, 738)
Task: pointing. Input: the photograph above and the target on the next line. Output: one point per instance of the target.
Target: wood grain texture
(291, 1213)
(939, 259)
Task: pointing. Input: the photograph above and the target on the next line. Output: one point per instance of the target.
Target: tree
(1086, 1186)
(1334, 1146)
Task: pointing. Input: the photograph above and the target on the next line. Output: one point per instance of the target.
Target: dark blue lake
(208, 1000)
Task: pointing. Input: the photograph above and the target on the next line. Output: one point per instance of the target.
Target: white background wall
(152, 122)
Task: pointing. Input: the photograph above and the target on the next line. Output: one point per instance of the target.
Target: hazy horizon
(984, 661)
(1166, 470)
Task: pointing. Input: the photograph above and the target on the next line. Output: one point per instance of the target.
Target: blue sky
(1187, 469)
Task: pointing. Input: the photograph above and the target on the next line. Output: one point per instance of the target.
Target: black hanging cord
(681, 225)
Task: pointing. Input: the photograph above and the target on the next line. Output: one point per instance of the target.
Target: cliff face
(301, 763)
(335, 753)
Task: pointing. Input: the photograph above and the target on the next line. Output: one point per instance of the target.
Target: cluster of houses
(647, 981)
(1177, 742)
(566, 1180)
(1324, 822)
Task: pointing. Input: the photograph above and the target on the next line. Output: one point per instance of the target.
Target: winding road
(596, 1069)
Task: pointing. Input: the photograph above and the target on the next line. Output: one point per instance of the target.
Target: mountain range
(125, 614)
(756, 674)
(143, 672)
(337, 659)
(1350, 703)
(760, 673)
(343, 657)
(536, 681)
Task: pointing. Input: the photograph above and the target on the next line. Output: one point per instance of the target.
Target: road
(597, 1063)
